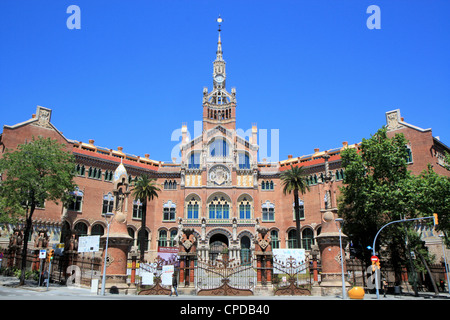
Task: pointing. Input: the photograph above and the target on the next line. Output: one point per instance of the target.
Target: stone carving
(262, 239)
(219, 175)
(188, 240)
(15, 240)
(41, 240)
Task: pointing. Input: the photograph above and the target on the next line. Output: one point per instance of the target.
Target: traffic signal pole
(435, 219)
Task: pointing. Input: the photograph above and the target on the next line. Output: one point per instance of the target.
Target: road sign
(42, 254)
(374, 259)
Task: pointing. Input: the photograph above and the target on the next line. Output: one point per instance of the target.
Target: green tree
(377, 189)
(294, 181)
(36, 172)
(144, 189)
(434, 197)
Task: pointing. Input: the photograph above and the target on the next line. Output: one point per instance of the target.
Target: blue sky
(135, 70)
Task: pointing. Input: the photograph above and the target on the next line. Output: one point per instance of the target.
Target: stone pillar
(328, 242)
(182, 266)
(119, 242)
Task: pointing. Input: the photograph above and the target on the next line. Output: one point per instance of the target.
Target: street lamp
(108, 223)
(341, 221)
(445, 261)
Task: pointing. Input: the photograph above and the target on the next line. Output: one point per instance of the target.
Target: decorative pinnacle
(219, 21)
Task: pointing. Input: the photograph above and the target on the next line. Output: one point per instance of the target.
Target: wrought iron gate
(298, 281)
(225, 277)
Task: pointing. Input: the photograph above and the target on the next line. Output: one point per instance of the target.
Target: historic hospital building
(219, 189)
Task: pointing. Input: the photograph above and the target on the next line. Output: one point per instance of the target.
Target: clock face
(219, 78)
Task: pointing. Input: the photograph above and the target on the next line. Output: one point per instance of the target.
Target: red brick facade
(219, 189)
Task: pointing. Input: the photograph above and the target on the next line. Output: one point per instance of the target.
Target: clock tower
(219, 106)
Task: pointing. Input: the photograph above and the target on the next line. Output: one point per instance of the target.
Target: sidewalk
(10, 289)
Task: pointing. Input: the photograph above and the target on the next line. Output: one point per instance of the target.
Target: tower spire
(219, 53)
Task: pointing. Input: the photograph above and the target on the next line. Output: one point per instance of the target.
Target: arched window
(81, 229)
(268, 211)
(245, 209)
(97, 230)
(301, 207)
(162, 241)
(271, 185)
(169, 211)
(145, 239)
(108, 203)
(172, 242)
(193, 208)
(263, 185)
(307, 238)
(244, 161)
(77, 200)
(131, 233)
(218, 148)
(274, 241)
(409, 158)
(137, 209)
(219, 208)
(292, 239)
(194, 160)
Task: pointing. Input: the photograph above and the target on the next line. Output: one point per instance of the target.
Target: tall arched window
(218, 148)
(244, 161)
(307, 238)
(301, 207)
(268, 211)
(137, 209)
(145, 239)
(162, 241)
(219, 208)
(194, 160)
(274, 240)
(108, 203)
(245, 209)
(169, 210)
(172, 242)
(292, 239)
(77, 200)
(193, 208)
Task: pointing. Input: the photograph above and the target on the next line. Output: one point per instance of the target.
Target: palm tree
(144, 189)
(294, 180)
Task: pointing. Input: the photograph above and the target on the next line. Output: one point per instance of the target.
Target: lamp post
(445, 261)
(107, 215)
(341, 221)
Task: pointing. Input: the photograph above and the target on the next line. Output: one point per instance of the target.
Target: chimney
(289, 156)
(33, 116)
(344, 144)
(316, 150)
(147, 156)
(91, 141)
(120, 149)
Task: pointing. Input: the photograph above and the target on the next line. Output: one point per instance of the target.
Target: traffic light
(50, 254)
(435, 218)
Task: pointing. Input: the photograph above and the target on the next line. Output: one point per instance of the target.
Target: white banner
(89, 244)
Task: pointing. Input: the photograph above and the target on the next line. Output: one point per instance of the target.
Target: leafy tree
(294, 181)
(144, 189)
(434, 197)
(36, 172)
(377, 189)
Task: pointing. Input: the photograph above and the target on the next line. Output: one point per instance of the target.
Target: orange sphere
(356, 293)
